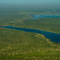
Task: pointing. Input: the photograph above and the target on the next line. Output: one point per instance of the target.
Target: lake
(44, 16)
(54, 37)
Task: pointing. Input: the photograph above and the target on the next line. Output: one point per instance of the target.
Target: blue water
(54, 37)
(44, 16)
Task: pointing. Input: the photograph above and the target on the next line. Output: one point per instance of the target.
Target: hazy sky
(32, 2)
(29, 1)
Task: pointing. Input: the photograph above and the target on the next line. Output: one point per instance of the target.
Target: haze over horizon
(33, 3)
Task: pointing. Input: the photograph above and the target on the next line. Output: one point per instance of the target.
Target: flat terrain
(16, 45)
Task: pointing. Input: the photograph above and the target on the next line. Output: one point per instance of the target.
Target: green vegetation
(46, 24)
(20, 45)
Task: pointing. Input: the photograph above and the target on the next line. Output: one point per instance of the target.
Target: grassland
(20, 45)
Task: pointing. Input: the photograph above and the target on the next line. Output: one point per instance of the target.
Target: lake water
(54, 37)
(44, 16)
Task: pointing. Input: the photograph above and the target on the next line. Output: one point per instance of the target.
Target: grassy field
(20, 45)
